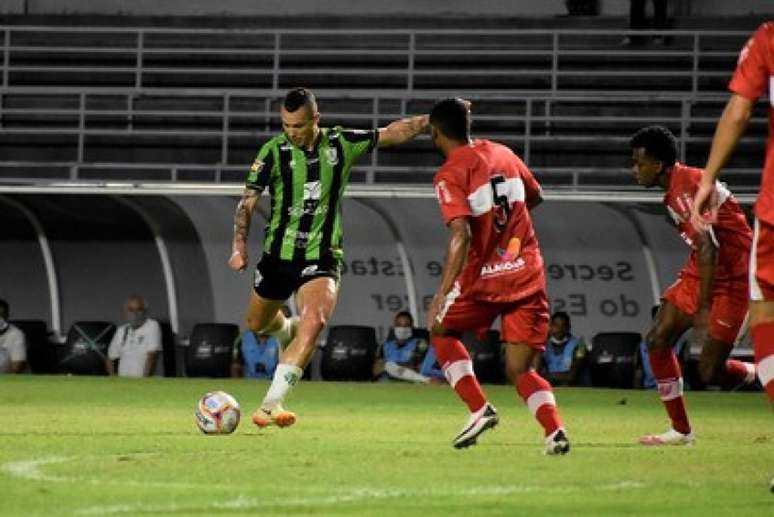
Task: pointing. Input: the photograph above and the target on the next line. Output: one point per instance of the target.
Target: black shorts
(277, 279)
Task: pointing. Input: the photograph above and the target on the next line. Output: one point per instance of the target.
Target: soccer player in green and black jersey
(306, 169)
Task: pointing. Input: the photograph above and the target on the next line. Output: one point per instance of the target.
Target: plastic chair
(210, 350)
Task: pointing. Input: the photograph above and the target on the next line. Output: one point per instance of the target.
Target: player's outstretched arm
(403, 130)
(730, 128)
(242, 218)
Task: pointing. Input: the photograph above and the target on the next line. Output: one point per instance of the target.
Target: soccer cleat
(277, 416)
(670, 437)
(483, 419)
(557, 443)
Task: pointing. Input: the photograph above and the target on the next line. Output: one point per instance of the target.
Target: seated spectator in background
(136, 344)
(564, 355)
(402, 353)
(13, 347)
(648, 380)
(255, 356)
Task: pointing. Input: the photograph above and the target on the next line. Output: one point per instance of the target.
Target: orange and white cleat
(670, 437)
(277, 416)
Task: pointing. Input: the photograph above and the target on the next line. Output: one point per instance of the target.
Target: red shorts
(524, 321)
(729, 305)
(762, 262)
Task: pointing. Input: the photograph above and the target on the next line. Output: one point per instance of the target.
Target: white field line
(243, 503)
(31, 470)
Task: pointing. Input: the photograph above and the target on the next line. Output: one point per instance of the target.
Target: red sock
(738, 372)
(666, 370)
(458, 368)
(537, 393)
(763, 345)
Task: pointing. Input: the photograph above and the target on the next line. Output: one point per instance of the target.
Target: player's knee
(514, 370)
(253, 323)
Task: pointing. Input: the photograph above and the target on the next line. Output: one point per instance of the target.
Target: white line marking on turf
(30, 470)
(244, 503)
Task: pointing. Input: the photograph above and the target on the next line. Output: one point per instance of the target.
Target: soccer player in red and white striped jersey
(710, 294)
(493, 268)
(754, 76)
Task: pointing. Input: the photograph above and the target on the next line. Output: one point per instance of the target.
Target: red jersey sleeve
(533, 192)
(752, 72)
(452, 197)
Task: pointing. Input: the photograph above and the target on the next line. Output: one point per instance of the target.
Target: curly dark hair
(658, 142)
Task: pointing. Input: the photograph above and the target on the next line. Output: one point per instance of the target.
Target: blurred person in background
(136, 344)
(564, 356)
(13, 347)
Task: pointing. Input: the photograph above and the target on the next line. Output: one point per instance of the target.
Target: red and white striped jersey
(731, 233)
(487, 183)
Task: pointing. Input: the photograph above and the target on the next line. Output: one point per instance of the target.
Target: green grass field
(99, 446)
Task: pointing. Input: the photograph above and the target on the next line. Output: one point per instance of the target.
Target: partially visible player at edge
(306, 168)
(493, 268)
(710, 294)
(754, 75)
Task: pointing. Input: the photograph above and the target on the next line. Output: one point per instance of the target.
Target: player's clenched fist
(238, 261)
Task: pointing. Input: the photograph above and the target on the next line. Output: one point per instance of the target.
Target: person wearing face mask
(403, 352)
(136, 344)
(563, 357)
(13, 348)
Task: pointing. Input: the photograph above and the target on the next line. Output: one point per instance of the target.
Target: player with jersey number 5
(306, 169)
(754, 77)
(493, 268)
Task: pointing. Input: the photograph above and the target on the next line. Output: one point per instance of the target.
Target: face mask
(559, 341)
(136, 319)
(402, 333)
(3, 324)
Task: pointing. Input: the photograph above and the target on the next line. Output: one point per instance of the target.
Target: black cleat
(557, 443)
(477, 424)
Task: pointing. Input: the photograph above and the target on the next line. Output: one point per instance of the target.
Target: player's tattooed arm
(242, 218)
(403, 130)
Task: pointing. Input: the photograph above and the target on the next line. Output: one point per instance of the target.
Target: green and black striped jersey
(306, 189)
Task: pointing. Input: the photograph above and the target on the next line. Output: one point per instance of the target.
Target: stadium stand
(193, 104)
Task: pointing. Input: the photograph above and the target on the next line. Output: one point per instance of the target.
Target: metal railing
(76, 84)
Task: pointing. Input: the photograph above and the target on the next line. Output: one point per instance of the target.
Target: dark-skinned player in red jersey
(710, 294)
(493, 268)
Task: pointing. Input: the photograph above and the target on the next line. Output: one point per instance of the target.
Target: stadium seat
(41, 354)
(349, 353)
(613, 359)
(486, 354)
(86, 348)
(210, 350)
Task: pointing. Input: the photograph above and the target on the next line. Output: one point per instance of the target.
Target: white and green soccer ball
(217, 412)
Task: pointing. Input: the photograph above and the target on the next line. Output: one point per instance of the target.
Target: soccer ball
(217, 412)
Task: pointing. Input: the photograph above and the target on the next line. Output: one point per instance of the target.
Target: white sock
(286, 333)
(285, 377)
